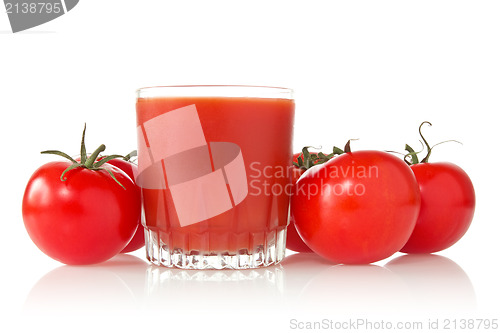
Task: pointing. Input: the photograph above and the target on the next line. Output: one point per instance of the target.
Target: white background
(371, 70)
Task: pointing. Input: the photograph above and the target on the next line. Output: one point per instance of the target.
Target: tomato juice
(218, 194)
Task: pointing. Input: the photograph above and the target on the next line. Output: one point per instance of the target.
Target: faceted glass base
(261, 255)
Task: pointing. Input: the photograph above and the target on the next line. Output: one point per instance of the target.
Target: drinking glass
(215, 174)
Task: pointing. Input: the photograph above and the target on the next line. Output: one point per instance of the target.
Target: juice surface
(262, 128)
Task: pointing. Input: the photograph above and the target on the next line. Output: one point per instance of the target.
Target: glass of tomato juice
(214, 167)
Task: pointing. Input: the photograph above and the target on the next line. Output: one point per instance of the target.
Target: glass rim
(215, 91)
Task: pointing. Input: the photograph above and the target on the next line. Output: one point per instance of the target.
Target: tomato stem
(307, 160)
(83, 150)
(429, 148)
(413, 154)
(337, 151)
(127, 157)
(71, 167)
(347, 147)
(59, 153)
(90, 161)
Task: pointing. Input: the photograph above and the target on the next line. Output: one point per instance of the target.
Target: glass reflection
(303, 282)
(180, 290)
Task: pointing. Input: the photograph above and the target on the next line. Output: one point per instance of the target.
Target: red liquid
(262, 128)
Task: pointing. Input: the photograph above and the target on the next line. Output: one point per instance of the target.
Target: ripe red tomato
(447, 208)
(131, 170)
(448, 202)
(293, 240)
(86, 219)
(357, 208)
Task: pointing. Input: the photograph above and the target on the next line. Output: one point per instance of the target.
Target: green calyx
(307, 160)
(89, 162)
(127, 157)
(411, 157)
